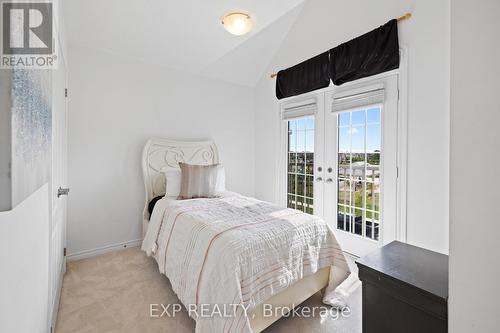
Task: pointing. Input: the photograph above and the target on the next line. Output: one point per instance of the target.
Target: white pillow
(173, 183)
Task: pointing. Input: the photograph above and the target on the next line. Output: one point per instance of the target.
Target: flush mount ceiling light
(237, 23)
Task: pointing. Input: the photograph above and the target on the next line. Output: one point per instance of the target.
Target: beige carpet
(113, 293)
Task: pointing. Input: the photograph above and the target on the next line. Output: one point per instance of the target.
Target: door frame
(58, 91)
(401, 145)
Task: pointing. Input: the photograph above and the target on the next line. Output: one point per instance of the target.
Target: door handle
(62, 191)
(329, 180)
(319, 179)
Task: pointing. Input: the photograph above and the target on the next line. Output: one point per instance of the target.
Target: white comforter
(236, 250)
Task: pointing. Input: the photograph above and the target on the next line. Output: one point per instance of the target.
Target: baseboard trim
(102, 250)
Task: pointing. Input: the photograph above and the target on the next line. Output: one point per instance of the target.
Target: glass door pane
(300, 175)
(358, 167)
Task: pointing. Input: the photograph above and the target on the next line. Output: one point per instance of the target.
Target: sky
(352, 126)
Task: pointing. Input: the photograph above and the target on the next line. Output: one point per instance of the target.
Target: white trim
(102, 250)
(55, 306)
(402, 148)
(281, 168)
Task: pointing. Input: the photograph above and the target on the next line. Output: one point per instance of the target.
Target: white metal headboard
(160, 155)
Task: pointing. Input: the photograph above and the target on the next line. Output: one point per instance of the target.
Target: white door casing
(319, 160)
(57, 264)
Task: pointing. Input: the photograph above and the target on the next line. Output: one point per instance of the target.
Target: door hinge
(64, 252)
(397, 172)
(51, 329)
(65, 92)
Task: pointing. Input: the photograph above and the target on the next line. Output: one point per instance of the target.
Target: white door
(360, 189)
(59, 180)
(302, 148)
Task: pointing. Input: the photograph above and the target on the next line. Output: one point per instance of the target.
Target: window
(300, 164)
(359, 148)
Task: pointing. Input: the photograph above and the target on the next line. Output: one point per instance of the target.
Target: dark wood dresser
(405, 289)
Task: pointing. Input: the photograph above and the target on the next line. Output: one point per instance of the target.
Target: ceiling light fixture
(237, 23)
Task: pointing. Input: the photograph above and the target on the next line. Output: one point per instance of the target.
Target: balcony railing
(359, 195)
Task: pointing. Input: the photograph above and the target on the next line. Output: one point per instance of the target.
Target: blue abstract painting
(29, 154)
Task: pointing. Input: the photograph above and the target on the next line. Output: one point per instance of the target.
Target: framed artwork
(25, 133)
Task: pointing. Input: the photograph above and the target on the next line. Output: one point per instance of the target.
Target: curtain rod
(401, 18)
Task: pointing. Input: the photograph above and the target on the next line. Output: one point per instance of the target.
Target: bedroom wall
(324, 24)
(475, 114)
(24, 258)
(116, 104)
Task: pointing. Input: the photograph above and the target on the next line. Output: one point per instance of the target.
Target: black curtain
(372, 53)
(307, 76)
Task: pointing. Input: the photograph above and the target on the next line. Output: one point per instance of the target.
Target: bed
(233, 253)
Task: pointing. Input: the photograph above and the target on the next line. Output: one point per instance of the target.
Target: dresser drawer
(404, 290)
(383, 313)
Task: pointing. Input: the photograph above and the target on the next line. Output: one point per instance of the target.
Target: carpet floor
(113, 293)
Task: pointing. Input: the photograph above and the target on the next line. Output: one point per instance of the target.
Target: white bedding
(236, 250)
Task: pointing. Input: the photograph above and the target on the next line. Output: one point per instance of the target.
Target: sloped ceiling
(184, 35)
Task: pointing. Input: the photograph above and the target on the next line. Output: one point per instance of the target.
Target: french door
(361, 164)
(348, 173)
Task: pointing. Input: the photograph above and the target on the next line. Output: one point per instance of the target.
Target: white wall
(24, 258)
(115, 105)
(324, 24)
(475, 140)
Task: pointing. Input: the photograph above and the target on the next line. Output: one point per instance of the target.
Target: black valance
(307, 76)
(372, 53)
